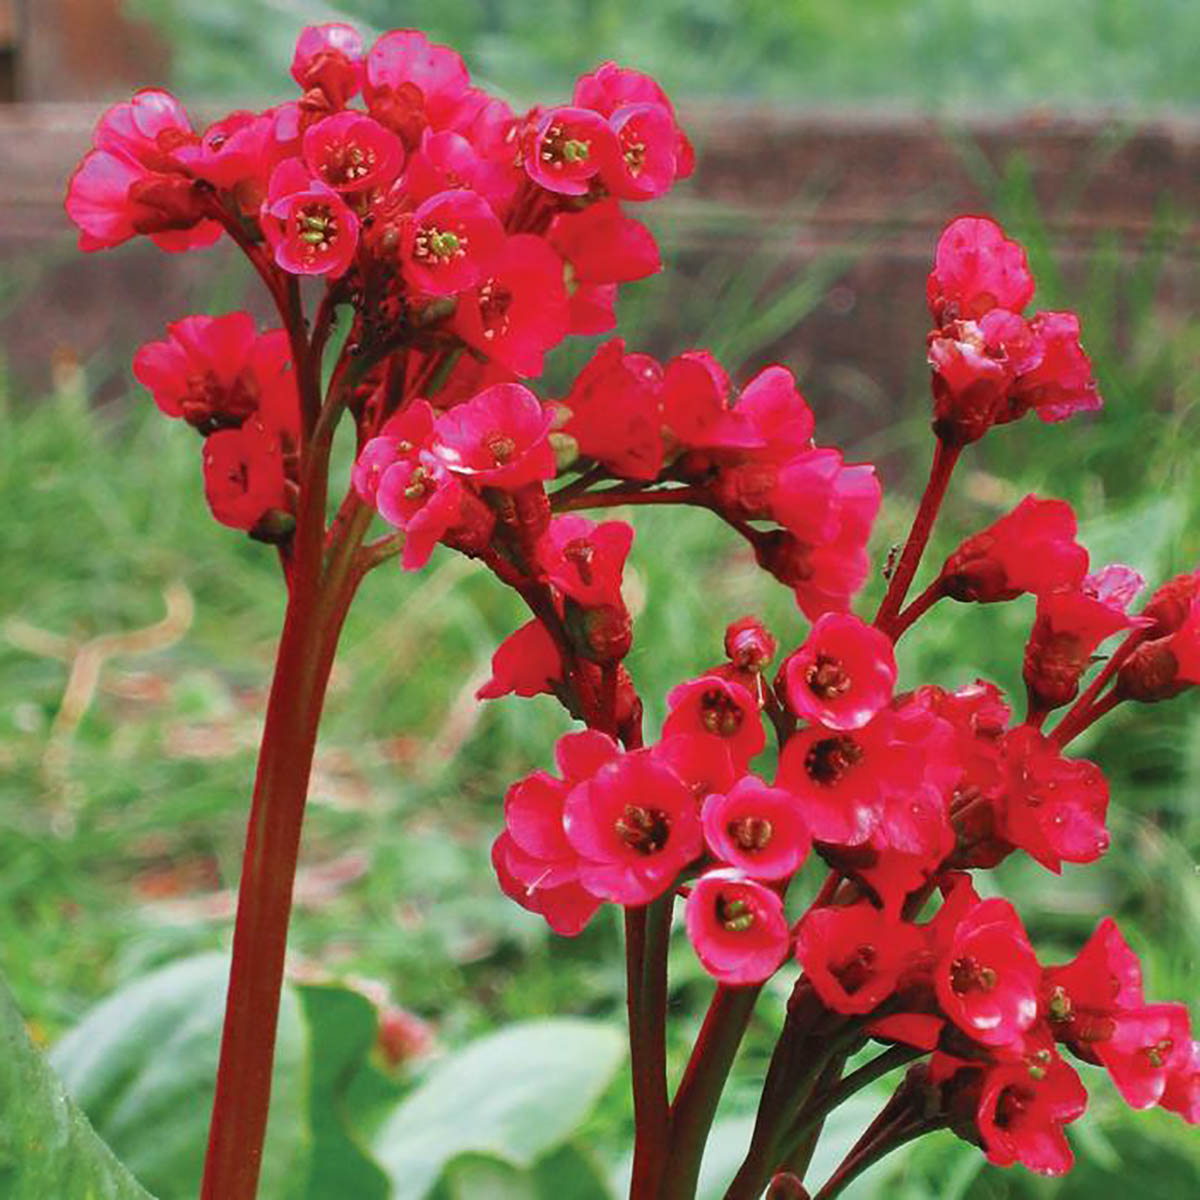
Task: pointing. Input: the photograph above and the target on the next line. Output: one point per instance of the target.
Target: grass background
(121, 829)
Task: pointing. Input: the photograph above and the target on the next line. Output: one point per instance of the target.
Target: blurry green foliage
(926, 52)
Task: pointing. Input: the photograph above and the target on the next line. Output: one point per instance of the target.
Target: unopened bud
(1151, 674)
(786, 1186)
(749, 644)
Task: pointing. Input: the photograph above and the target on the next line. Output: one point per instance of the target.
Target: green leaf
(516, 1095)
(342, 1027)
(47, 1147)
(567, 1171)
(143, 1063)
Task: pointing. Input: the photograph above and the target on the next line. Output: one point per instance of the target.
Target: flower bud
(749, 644)
(1151, 673)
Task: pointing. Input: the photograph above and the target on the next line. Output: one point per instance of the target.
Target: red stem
(1078, 716)
(944, 459)
(303, 663)
(1076, 722)
(909, 616)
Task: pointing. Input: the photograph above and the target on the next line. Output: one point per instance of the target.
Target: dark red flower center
(968, 975)
(751, 833)
(645, 830)
(830, 758)
(827, 677)
(853, 972)
(720, 713)
(346, 163)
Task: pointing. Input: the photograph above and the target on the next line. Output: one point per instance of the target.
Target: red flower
(244, 475)
(615, 412)
(1080, 998)
(839, 777)
(1147, 1046)
(567, 907)
(635, 825)
(1068, 628)
(1061, 384)
(843, 674)
(643, 166)
(1032, 549)
(420, 495)
(1053, 807)
(403, 436)
(1022, 1108)
(696, 404)
(519, 311)
(718, 708)
(447, 161)
(214, 372)
(584, 560)
(565, 147)
(239, 153)
(451, 243)
(309, 226)
(411, 83)
(975, 269)
(352, 153)
(756, 828)
(824, 573)
(987, 981)
(603, 245)
(1182, 1093)
(526, 663)
(736, 927)
(329, 57)
(499, 438)
(132, 181)
(749, 644)
(854, 956)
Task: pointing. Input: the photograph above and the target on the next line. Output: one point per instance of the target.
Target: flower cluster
(465, 241)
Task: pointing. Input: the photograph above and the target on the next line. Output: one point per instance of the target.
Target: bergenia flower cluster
(463, 242)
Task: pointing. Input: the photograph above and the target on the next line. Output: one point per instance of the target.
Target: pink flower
(412, 83)
(718, 708)
(451, 243)
(564, 148)
(499, 438)
(214, 372)
(404, 435)
(736, 927)
(133, 182)
(329, 57)
(1146, 1047)
(352, 153)
(526, 663)
(309, 226)
(1182, 1092)
(424, 498)
(584, 560)
(975, 269)
(519, 311)
(756, 828)
(987, 981)
(1061, 384)
(635, 825)
(567, 907)
(843, 674)
(1032, 549)
(643, 166)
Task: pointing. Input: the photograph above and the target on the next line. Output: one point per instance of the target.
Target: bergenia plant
(457, 242)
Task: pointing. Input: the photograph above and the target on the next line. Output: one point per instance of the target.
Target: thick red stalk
(944, 458)
(646, 933)
(703, 1081)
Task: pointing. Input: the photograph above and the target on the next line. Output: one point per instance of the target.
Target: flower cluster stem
(945, 457)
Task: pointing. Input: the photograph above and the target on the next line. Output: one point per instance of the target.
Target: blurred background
(834, 140)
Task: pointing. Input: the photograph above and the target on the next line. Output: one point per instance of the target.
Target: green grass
(116, 833)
